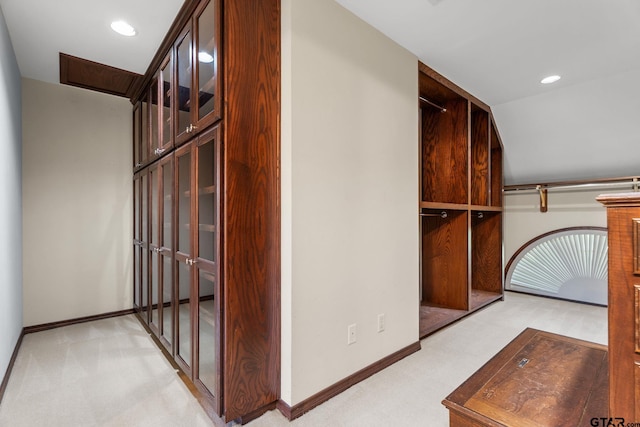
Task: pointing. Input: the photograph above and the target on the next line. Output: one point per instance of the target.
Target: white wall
(349, 195)
(77, 202)
(566, 208)
(10, 200)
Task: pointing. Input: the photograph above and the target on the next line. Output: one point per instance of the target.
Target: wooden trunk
(540, 379)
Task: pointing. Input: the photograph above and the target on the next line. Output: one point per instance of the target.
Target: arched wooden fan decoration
(570, 263)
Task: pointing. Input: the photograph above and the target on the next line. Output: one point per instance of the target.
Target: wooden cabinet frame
(460, 203)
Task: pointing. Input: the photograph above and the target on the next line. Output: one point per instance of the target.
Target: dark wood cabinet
(197, 64)
(460, 205)
(206, 203)
(623, 223)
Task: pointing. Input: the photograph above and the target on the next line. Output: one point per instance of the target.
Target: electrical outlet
(351, 334)
(381, 322)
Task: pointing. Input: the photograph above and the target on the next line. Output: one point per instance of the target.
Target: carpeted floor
(110, 373)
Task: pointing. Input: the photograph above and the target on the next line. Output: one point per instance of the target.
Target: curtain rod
(634, 180)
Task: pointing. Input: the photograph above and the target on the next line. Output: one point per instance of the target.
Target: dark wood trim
(61, 323)
(308, 404)
(423, 68)
(92, 75)
(182, 18)
(548, 233)
(12, 361)
(620, 199)
(257, 413)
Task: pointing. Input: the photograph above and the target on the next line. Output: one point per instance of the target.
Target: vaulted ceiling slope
(587, 125)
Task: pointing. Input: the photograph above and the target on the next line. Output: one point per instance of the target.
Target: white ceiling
(40, 29)
(497, 50)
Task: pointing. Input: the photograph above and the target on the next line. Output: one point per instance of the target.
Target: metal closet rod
(633, 180)
(442, 214)
(433, 104)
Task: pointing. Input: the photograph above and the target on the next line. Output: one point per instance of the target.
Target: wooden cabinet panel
(486, 257)
(444, 260)
(479, 156)
(496, 168)
(445, 153)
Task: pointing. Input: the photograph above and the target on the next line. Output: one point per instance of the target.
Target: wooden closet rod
(633, 180)
(433, 104)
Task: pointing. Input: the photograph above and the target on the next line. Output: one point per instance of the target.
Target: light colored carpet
(109, 373)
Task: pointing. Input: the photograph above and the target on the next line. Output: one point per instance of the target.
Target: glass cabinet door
(206, 243)
(154, 111)
(144, 130)
(164, 86)
(137, 136)
(144, 217)
(183, 88)
(207, 103)
(137, 244)
(183, 256)
(154, 214)
(165, 251)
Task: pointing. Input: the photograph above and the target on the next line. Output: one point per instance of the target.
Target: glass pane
(184, 83)
(144, 280)
(155, 213)
(206, 201)
(166, 104)
(167, 191)
(136, 209)
(144, 133)
(145, 239)
(206, 60)
(154, 288)
(184, 203)
(154, 116)
(167, 282)
(136, 275)
(207, 331)
(136, 136)
(184, 312)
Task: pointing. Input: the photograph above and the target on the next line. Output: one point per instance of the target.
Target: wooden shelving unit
(460, 205)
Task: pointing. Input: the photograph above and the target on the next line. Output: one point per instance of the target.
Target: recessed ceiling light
(123, 28)
(550, 79)
(205, 57)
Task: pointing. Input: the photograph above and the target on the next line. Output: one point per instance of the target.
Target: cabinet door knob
(159, 151)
